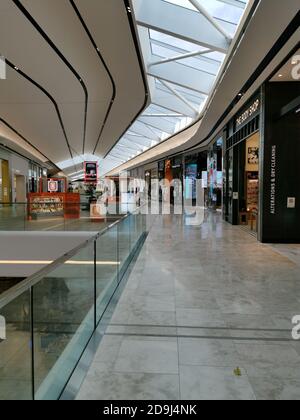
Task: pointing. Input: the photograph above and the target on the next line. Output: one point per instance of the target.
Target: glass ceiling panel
(217, 8)
(172, 41)
(227, 14)
(201, 62)
(188, 93)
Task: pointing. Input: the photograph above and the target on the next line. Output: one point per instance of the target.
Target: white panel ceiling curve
(66, 89)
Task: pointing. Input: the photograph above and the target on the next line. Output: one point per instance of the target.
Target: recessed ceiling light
(280, 75)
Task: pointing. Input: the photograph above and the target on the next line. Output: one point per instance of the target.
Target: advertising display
(52, 186)
(65, 205)
(91, 172)
(191, 171)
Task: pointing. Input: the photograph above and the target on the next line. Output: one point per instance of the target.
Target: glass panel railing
(50, 317)
(55, 217)
(63, 322)
(15, 349)
(124, 234)
(13, 217)
(108, 263)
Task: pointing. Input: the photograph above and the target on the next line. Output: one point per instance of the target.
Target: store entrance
(4, 177)
(20, 188)
(249, 183)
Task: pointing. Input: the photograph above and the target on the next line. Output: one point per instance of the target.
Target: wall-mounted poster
(91, 172)
(253, 155)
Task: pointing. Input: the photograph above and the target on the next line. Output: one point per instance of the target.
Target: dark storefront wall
(281, 167)
(237, 134)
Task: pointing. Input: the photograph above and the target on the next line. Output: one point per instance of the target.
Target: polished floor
(206, 314)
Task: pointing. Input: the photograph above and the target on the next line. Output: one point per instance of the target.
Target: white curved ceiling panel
(59, 20)
(109, 26)
(35, 115)
(79, 81)
(27, 49)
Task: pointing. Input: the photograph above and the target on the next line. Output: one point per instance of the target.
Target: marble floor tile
(199, 318)
(278, 360)
(109, 349)
(274, 389)
(143, 317)
(194, 351)
(214, 383)
(211, 281)
(130, 387)
(148, 356)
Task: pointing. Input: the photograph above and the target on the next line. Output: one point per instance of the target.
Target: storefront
(18, 176)
(262, 171)
(280, 218)
(215, 174)
(5, 181)
(242, 166)
(195, 168)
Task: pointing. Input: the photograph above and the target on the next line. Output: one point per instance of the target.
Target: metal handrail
(30, 281)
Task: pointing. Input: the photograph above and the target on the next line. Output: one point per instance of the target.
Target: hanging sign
(91, 172)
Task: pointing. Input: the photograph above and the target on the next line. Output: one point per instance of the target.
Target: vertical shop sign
(273, 180)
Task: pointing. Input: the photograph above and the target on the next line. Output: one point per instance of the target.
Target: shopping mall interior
(149, 202)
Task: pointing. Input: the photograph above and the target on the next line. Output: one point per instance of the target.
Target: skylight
(183, 56)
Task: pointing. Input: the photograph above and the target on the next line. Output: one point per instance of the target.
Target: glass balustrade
(47, 320)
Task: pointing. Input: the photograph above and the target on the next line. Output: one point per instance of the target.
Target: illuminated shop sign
(252, 110)
(91, 172)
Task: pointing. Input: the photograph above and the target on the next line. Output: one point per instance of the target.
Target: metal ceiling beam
(124, 146)
(211, 19)
(162, 115)
(158, 125)
(171, 103)
(134, 134)
(171, 19)
(180, 97)
(180, 57)
(112, 155)
(197, 80)
(236, 3)
(143, 141)
(129, 142)
(142, 128)
(182, 51)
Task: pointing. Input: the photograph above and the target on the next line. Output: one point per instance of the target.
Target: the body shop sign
(250, 112)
